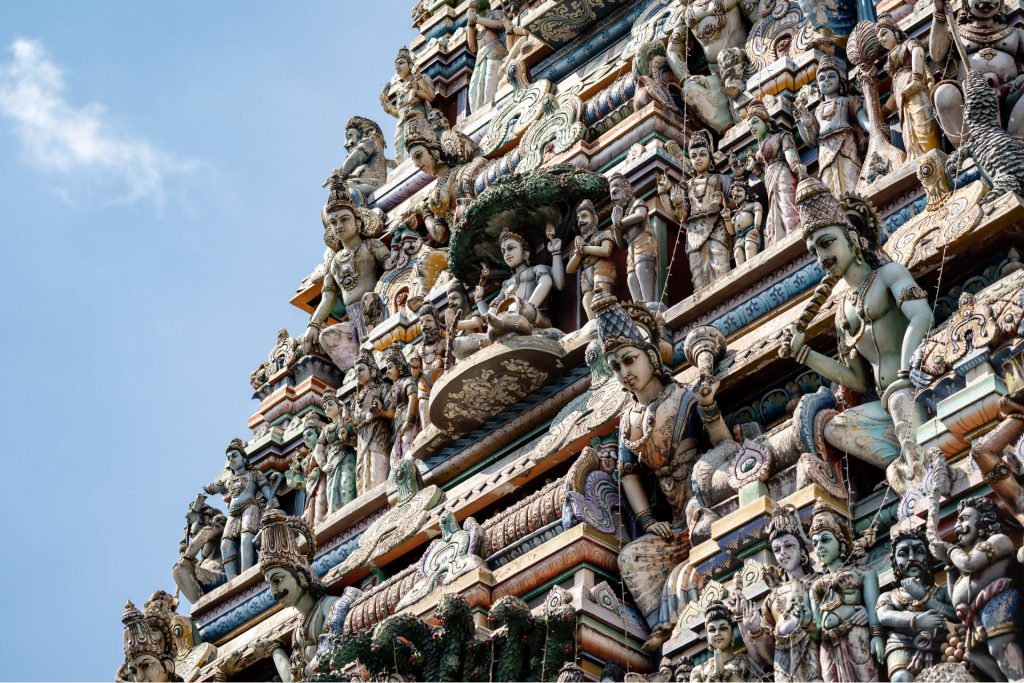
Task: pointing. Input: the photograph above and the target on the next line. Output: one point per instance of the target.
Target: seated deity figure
(368, 420)
(336, 460)
(725, 663)
(776, 154)
(248, 493)
(593, 252)
(520, 304)
(915, 611)
(431, 351)
(354, 268)
(993, 46)
(843, 600)
(782, 633)
(986, 596)
(405, 402)
(881, 321)
(204, 527)
(413, 92)
(483, 38)
(911, 88)
(149, 649)
(365, 169)
(834, 128)
(658, 435)
(743, 219)
(292, 581)
(633, 225)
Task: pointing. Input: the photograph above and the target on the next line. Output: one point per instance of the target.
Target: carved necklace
(827, 109)
(859, 306)
(985, 36)
(349, 275)
(647, 426)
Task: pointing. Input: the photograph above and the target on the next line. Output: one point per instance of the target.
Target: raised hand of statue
(471, 15)
(750, 618)
(578, 244)
(707, 387)
(663, 183)
(618, 213)
(940, 6)
(663, 529)
(554, 243)
(792, 342)
(329, 467)
(800, 170)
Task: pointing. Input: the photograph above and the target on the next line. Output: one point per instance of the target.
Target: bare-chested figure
(592, 251)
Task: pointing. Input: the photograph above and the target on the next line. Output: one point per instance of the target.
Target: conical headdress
(146, 634)
(818, 207)
(278, 543)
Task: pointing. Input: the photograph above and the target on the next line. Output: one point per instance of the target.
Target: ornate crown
(828, 63)
(278, 544)
(339, 197)
(235, 444)
(507, 234)
(367, 126)
(824, 518)
(615, 328)
(419, 131)
(757, 108)
(329, 395)
(717, 610)
(818, 207)
(786, 520)
(403, 53)
(312, 419)
(699, 139)
(617, 179)
(146, 634)
(365, 357)
(395, 354)
(886, 21)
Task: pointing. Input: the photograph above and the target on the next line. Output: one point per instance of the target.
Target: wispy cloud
(75, 141)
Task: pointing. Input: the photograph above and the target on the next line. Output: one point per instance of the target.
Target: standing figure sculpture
(337, 461)
(843, 602)
(915, 611)
(835, 127)
(782, 633)
(312, 471)
(658, 436)
(404, 402)
(484, 39)
(776, 152)
(911, 88)
(413, 92)
(987, 599)
(248, 492)
(631, 220)
(365, 169)
(460, 318)
(743, 219)
(592, 251)
(354, 268)
(881, 321)
(430, 350)
(368, 419)
(204, 527)
(725, 663)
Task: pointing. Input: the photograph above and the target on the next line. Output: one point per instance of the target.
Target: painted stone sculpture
(744, 217)
(483, 38)
(881, 321)
(430, 350)
(200, 567)
(149, 649)
(314, 479)
(367, 418)
(413, 92)
(725, 663)
(776, 153)
(248, 493)
(911, 88)
(337, 461)
(630, 219)
(365, 169)
(404, 402)
(592, 251)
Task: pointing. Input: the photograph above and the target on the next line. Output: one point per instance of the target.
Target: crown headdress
(312, 419)
(339, 197)
(403, 53)
(699, 139)
(235, 444)
(824, 518)
(146, 634)
(507, 234)
(828, 63)
(365, 357)
(886, 21)
(757, 108)
(819, 208)
(786, 520)
(586, 205)
(278, 544)
(419, 131)
(395, 354)
(615, 327)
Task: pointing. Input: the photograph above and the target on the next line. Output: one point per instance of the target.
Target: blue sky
(161, 167)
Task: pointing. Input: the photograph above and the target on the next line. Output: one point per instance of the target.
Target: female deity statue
(315, 478)
(248, 493)
(631, 221)
(404, 410)
(843, 602)
(337, 461)
(725, 663)
(743, 217)
(776, 152)
(593, 251)
(368, 420)
(483, 38)
(911, 88)
(833, 128)
(880, 322)
(782, 633)
(413, 92)
(658, 435)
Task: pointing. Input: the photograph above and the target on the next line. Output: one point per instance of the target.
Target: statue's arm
(890, 617)
(913, 303)
(942, 604)
(676, 50)
(635, 217)
(939, 39)
(544, 284)
(853, 376)
(603, 250)
(998, 547)
(425, 89)
(356, 158)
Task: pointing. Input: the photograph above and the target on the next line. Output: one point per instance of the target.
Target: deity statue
(698, 202)
(980, 570)
(915, 611)
(782, 633)
(911, 88)
(743, 219)
(404, 402)
(988, 452)
(843, 600)
(776, 152)
(430, 349)
(883, 318)
(248, 493)
(292, 581)
(593, 251)
(204, 527)
(483, 38)
(149, 650)
(314, 478)
(336, 460)
(993, 47)
(367, 418)
(658, 434)
(365, 169)
(413, 92)
(633, 224)
(725, 663)
(460, 318)
(354, 268)
(833, 128)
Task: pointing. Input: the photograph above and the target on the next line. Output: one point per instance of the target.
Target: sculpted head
(977, 519)
(739, 193)
(286, 586)
(586, 217)
(366, 369)
(429, 324)
(620, 191)
(889, 32)
(235, 452)
(515, 250)
(457, 298)
(395, 364)
(149, 648)
(787, 540)
(344, 223)
(403, 63)
(718, 622)
(910, 557)
(698, 151)
(758, 119)
(985, 9)
(150, 668)
(829, 80)
(330, 404)
(633, 367)
(830, 536)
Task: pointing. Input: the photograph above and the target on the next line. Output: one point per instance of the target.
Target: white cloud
(76, 142)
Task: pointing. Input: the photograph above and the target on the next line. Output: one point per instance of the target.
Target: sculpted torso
(843, 600)
(968, 585)
(658, 450)
(999, 58)
(521, 285)
(882, 342)
(706, 195)
(355, 270)
(833, 114)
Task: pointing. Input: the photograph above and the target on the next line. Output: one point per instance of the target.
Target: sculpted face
(363, 374)
(309, 437)
(284, 586)
(832, 248)
(910, 559)
(513, 253)
(617, 193)
(700, 158)
(394, 371)
(887, 38)
(787, 551)
(826, 547)
(456, 300)
(331, 408)
(423, 160)
(828, 81)
(402, 67)
(236, 460)
(719, 634)
(631, 367)
(966, 527)
(148, 668)
(985, 9)
(351, 137)
(344, 224)
(586, 221)
(738, 194)
(758, 127)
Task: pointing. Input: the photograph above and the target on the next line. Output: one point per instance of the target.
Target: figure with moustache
(986, 597)
(593, 252)
(881, 320)
(430, 350)
(915, 611)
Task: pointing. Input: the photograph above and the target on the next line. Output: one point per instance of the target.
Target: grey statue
(365, 169)
(204, 526)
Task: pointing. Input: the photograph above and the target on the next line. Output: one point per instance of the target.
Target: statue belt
(237, 507)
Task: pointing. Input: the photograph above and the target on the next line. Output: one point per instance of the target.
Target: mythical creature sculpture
(248, 492)
(367, 417)
(592, 251)
(843, 600)
(413, 92)
(725, 663)
(911, 88)
(631, 220)
(776, 153)
(483, 38)
(201, 566)
(881, 321)
(744, 216)
(285, 353)
(149, 649)
(365, 169)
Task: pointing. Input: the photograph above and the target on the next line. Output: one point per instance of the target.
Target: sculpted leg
(635, 291)
(949, 106)
(229, 551)
(1007, 654)
(648, 277)
(248, 550)
(864, 432)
